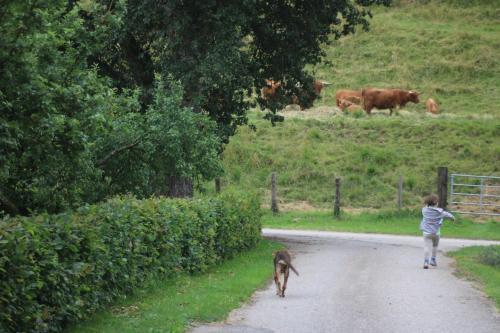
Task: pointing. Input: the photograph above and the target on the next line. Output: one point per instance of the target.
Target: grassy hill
(443, 48)
(368, 153)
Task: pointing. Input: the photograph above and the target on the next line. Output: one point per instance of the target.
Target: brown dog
(282, 265)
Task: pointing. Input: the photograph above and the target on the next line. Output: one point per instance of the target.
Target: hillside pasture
(445, 49)
(368, 153)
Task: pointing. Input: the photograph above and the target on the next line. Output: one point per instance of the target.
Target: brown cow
(348, 105)
(354, 107)
(344, 104)
(432, 106)
(269, 91)
(319, 85)
(348, 95)
(387, 98)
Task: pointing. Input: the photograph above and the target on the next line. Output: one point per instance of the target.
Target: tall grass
(369, 154)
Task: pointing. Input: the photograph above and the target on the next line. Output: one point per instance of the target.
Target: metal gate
(477, 195)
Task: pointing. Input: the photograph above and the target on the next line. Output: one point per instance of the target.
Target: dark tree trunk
(8, 206)
(217, 185)
(442, 186)
(336, 202)
(274, 199)
(179, 187)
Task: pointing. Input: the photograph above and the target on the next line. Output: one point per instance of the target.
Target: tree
(169, 143)
(47, 99)
(66, 136)
(81, 116)
(222, 52)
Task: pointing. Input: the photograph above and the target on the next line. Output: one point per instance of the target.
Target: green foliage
(173, 304)
(47, 101)
(56, 269)
(67, 137)
(167, 140)
(222, 54)
(490, 255)
(83, 117)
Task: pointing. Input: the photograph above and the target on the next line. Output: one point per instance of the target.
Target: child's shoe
(426, 264)
(433, 262)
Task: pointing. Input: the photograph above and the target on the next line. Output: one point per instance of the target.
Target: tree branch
(103, 160)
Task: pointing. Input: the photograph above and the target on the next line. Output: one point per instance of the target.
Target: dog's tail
(293, 268)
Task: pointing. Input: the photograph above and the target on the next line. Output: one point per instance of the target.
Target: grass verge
(470, 265)
(171, 305)
(405, 222)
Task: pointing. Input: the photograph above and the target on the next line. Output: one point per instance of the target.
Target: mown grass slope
(444, 49)
(369, 154)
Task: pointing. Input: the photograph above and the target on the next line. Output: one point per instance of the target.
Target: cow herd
(366, 99)
(270, 91)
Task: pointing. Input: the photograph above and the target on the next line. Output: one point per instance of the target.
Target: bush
(56, 269)
(490, 255)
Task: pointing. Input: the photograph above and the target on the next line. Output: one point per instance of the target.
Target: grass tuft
(470, 265)
(490, 256)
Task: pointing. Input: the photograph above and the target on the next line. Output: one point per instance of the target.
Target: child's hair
(431, 200)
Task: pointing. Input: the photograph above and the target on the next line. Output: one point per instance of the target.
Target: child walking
(432, 219)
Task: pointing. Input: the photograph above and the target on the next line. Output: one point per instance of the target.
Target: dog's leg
(287, 273)
(277, 280)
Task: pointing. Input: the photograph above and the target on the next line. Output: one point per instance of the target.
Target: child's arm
(448, 215)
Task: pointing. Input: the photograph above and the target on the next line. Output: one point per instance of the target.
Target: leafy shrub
(57, 269)
(490, 255)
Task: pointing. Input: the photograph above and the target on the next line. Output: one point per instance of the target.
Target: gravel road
(364, 283)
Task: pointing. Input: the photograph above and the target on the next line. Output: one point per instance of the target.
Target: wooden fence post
(442, 186)
(274, 200)
(217, 185)
(336, 205)
(400, 192)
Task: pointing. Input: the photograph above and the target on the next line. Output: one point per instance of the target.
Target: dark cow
(387, 98)
(319, 85)
(353, 96)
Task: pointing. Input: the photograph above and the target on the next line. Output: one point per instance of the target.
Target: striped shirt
(432, 219)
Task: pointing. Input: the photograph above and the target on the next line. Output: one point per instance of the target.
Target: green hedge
(56, 269)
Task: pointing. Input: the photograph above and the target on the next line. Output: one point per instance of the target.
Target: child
(431, 223)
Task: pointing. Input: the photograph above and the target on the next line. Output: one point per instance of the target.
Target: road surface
(364, 283)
